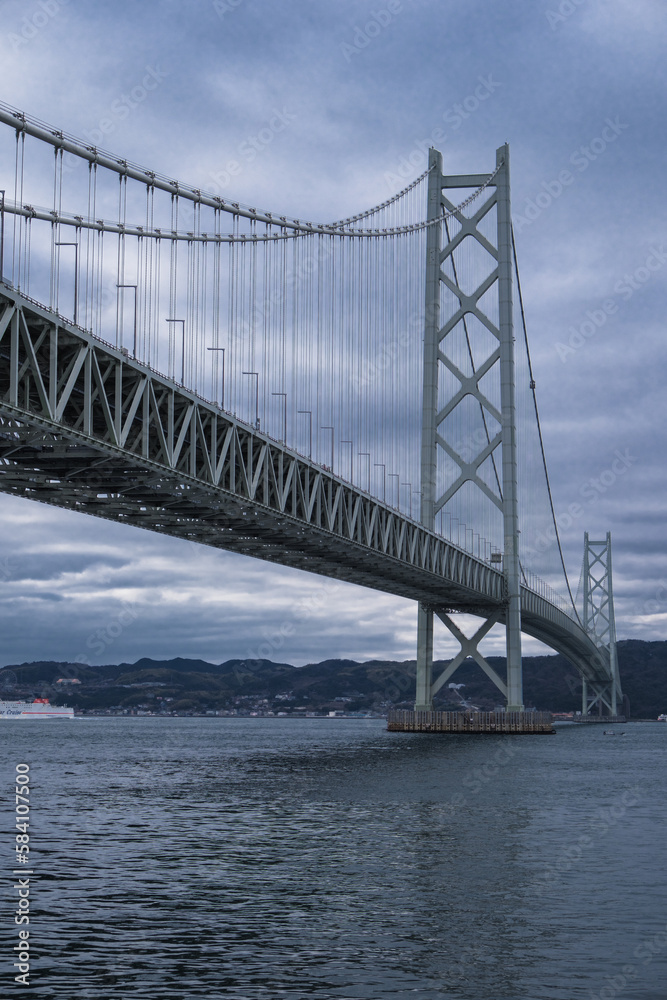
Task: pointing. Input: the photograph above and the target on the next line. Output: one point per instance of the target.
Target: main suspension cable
(539, 427)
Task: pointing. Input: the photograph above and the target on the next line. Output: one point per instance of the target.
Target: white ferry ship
(40, 708)
(663, 717)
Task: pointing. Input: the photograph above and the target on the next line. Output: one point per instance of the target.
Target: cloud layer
(578, 91)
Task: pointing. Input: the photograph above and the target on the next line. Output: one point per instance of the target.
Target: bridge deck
(84, 427)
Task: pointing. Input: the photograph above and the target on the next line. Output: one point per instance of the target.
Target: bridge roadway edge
(275, 536)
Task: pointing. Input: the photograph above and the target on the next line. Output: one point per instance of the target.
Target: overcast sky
(576, 87)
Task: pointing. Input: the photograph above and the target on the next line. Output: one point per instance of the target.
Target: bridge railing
(540, 587)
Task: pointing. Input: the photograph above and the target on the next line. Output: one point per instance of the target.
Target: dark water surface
(330, 859)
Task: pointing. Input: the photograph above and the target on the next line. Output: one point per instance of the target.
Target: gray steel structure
(600, 623)
(500, 361)
(85, 427)
(442, 278)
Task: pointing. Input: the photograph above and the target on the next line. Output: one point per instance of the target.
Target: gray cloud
(354, 120)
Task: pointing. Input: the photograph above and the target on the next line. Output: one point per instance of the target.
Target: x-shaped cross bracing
(469, 384)
(469, 647)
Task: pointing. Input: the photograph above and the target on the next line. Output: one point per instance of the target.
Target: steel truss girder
(84, 428)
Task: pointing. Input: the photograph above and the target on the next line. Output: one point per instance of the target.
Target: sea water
(257, 859)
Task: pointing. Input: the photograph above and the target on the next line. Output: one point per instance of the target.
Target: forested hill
(181, 685)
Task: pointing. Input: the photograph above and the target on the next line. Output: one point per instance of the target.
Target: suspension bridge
(347, 398)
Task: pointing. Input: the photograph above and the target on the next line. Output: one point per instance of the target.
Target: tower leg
(509, 453)
(615, 679)
(424, 697)
(599, 621)
(514, 665)
(429, 461)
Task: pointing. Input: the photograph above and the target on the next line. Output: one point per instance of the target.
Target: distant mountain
(180, 685)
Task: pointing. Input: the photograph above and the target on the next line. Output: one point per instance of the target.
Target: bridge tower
(600, 624)
(468, 308)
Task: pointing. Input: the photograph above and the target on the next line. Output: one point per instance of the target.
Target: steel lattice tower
(600, 623)
(495, 191)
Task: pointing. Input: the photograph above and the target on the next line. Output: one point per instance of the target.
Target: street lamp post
(256, 376)
(222, 349)
(182, 322)
(332, 444)
(409, 485)
(351, 468)
(76, 262)
(395, 475)
(420, 494)
(134, 341)
(366, 454)
(379, 465)
(284, 395)
(310, 432)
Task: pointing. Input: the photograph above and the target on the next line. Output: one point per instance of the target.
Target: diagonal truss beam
(469, 647)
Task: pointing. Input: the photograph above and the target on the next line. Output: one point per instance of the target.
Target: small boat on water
(662, 718)
(40, 708)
